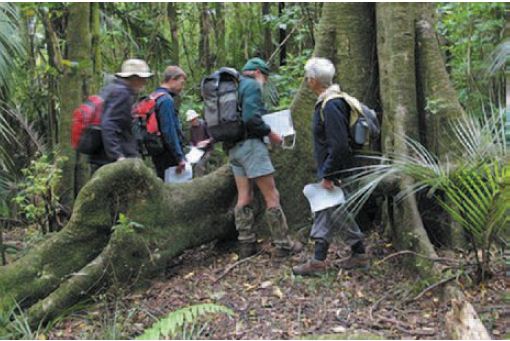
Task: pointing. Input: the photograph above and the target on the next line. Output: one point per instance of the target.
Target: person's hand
(275, 138)
(120, 158)
(327, 184)
(180, 167)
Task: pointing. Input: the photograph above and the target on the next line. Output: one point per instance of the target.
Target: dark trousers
(162, 162)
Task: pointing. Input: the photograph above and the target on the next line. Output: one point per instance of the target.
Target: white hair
(320, 69)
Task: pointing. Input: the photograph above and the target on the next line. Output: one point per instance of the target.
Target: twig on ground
(239, 262)
(376, 304)
(430, 287)
(409, 252)
(405, 328)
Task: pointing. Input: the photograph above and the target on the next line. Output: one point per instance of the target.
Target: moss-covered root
(85, 254)
(123, 257)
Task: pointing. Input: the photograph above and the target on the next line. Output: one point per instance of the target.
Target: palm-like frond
(473, 189)
(500, 57)
(11, 43)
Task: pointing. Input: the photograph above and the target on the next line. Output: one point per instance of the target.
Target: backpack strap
(352, 102)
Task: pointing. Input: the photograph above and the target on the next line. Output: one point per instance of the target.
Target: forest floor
(270, 303)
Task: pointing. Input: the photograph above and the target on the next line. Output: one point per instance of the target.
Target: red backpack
(86, 126)
(146, 126)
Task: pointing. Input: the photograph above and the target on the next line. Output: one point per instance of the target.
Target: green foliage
(176, 321)
(11, 44)
(474, 190)
(289, 77)
(472, 31)
(37, 197)
(126, 224)
(14, 325)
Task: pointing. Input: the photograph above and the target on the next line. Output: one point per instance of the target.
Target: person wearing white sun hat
(116, 121)
(199, 137)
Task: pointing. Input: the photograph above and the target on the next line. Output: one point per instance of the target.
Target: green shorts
(250, 158)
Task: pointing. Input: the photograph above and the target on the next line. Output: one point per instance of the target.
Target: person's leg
(276, 218)
(244, 218)
(321, 234)
(159, 166)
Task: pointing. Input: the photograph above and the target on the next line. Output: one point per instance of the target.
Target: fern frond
(168, 326)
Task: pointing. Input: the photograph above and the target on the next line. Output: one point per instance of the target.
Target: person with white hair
(332, 153)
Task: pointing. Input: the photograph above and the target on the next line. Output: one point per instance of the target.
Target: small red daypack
(146, 126)
(86, 126)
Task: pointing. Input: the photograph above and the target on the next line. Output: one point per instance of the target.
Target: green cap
(256, 64)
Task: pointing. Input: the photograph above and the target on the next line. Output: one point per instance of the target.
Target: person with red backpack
(174, 79)
(119, 96)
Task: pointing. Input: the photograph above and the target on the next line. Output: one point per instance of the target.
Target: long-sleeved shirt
(116, 121)
(169, 124)
(252, 106)
(332, 152)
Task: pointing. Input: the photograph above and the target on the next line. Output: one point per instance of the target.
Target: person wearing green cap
(250, 162)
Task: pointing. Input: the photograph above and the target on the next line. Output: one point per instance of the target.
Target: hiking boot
(312, 267)
(355, 261)
(296, 247)
(247, 249)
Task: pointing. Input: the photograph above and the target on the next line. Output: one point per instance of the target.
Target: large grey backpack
(222, 110)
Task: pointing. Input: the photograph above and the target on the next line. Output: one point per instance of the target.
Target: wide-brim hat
(134, 67)
(191, 115)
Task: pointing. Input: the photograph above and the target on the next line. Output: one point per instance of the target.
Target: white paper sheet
(194, 155)
(281, 123)
(320, 198)
(172, 177)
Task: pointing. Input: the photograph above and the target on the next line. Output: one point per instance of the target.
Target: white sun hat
(134, 67)
(191, 115)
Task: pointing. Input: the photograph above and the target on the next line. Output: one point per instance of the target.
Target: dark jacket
(252, 106)
(332, 152)
(116, 124)
(199, 133)
(169, 124)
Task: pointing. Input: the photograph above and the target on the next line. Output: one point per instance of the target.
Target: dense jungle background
(438, 73)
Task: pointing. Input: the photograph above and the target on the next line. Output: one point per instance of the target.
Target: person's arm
(336, 121)
(111, 123)
(166, 115)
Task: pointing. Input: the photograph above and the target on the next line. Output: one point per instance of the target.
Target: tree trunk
(268, 43)
(95, 28)
(174, 29)
(381, 68)
(76, 79)
(219, 34)
(283, 33)
(205, 30)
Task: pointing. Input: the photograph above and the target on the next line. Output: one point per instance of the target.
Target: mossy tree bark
(88, 253)
(377, 66)
(76, 78)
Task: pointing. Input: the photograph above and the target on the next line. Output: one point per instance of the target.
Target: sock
(358, 248)
(321, 250)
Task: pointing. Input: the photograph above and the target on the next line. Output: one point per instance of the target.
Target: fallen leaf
(277, 292)
(248, 286)
(266, 284)
(339, 329)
